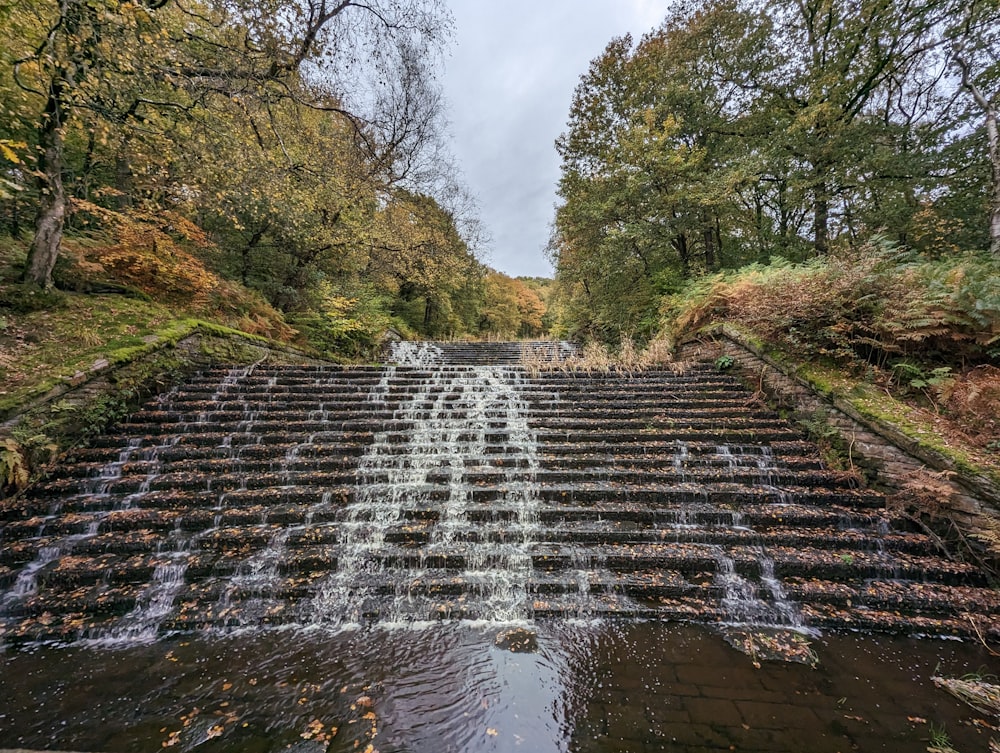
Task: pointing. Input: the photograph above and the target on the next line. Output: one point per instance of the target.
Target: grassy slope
(68, 333)
(911, 346)
(909, 417)
(41, 349)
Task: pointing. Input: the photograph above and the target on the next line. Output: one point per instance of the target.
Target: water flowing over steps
(451, 484)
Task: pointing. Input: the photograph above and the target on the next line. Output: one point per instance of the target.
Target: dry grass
(869, 305)
(928, 499)
(983, 696)
(989, 536)
(971, 398)
(155, 253)
(598, 358)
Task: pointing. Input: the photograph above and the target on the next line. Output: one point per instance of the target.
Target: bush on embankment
(923, 329)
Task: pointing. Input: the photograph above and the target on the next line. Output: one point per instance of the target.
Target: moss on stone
(893, 416)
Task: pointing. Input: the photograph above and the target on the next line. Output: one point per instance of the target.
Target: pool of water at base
(594, 687)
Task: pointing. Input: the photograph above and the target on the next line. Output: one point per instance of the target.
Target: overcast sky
(509, 82)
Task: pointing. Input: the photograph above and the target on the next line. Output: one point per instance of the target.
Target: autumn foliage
(282, 172)
(154, 253)
(922, 327)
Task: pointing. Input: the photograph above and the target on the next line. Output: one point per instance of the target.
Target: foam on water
(452, 424)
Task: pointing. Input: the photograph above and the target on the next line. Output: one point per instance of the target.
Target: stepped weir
(452, 483)
(470, 548)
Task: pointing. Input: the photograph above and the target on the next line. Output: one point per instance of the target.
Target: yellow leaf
(8, 152)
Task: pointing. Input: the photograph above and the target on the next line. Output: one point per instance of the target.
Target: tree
(121, 62)
(290, 197)
(417, 254)
(650, 167)
(738, 130)
(977, 46)
(836, 61)
(531, 310)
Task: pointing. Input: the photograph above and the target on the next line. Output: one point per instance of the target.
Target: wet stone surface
(429, 490)
(595, 688)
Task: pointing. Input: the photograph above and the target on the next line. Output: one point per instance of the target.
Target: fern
(14, 471)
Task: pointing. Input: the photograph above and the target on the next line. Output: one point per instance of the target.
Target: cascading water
(457, 421)
(155, 603)
(329, 494)
(428, 489)
(745, 602)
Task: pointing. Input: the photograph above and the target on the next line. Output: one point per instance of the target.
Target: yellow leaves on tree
(531, 308)
(9, 152)
(510, 307)
(931, 230)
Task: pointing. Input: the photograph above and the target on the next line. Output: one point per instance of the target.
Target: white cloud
(509, 83)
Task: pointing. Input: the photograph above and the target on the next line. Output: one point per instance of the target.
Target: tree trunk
(821, 219)
(51, 217)
(994, 149)
(82, 188)
(993, 145)
(995, 157)
(783, 216)
(123, 182)
(428, 314)
(719, 248)
(680, 244)
(256, 238)
(708, 239)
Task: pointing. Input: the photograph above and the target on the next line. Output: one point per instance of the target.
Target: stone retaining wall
(886, 458)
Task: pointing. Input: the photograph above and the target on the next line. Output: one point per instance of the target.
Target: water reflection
(587, 687)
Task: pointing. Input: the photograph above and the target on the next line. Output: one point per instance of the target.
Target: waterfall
(450, 485)
(156, 602)
(451, 422)
(742, 601)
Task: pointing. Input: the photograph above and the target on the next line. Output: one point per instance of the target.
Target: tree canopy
(305, 138)
(738, 130)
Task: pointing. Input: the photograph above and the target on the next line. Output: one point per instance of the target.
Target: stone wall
(890, 461)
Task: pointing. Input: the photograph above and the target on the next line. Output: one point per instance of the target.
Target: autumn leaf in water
(172, 739)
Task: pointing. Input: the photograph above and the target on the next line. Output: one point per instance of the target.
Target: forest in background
(817, 131)
(280, 167)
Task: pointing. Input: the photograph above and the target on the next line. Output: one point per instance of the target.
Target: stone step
(647, 494)
(319, 416)
(144, 530)
(606, 605)
(720, 434)
(755, 428)
(223, 473)
(219, 552)
(231, 493)
(814, 576)
(171, 510)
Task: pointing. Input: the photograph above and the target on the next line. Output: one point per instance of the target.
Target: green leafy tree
(738, 130)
